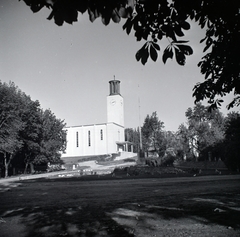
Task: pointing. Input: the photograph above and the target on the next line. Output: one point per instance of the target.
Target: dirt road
(190, 206)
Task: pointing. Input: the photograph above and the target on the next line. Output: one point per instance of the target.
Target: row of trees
(29, 135)
(206, 135)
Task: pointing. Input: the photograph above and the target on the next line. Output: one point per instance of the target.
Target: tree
(27, 133)
(155, 20)
(153, 135)
(205, 129)
(52, 138)
(31, 132)
(183, 139)
(232, 141)
(10, 122)
(43, 136)
(174, 145)
(132, 135)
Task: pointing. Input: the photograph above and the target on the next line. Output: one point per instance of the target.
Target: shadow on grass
(68, 221)
(59, 208)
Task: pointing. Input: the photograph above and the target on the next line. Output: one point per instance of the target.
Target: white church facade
(104, 138)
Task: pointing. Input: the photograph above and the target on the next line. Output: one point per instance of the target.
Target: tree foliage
(183, 139)
(52, 138)
(204, 129)
(153, 135)
(10, 123)
(133, 135)
(211, 136)
(232, 141)
(207, 135)
(155, 20)
(159, 142)
(26, 131)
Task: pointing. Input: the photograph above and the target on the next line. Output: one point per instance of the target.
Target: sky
(68, 68)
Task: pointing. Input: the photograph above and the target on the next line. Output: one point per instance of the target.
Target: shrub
(168, 160)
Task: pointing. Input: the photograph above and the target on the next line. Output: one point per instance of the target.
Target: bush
(154, 162)
(55, 167)
(168, 160)
(129, 160)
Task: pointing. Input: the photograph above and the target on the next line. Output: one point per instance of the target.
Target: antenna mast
(140, 133)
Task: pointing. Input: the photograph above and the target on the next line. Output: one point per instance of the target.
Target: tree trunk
(6, 170)
(26, 166)
(32, 168)
(6, 163)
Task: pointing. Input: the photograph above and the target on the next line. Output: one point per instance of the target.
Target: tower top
(114, 87)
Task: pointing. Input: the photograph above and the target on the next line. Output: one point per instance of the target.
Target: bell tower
(115, 111)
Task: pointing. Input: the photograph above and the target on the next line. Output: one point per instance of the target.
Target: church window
(77, 139)
(89, 138)
(101, 134)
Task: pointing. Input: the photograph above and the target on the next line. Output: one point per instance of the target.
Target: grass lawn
(181, 206)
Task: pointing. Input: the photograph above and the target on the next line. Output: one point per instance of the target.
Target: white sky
(68, 68)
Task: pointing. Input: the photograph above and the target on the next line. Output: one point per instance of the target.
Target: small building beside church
(102, 138)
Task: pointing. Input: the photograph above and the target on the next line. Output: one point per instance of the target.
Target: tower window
(89, 138)
(101, 134)
(77, 144)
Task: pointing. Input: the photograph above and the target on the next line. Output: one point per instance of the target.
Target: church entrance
(125, 146)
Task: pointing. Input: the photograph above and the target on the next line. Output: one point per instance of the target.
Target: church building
(103, 138)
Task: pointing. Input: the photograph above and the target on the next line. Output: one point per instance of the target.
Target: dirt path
(196, 206)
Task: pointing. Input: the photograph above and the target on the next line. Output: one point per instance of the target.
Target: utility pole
(140, 132)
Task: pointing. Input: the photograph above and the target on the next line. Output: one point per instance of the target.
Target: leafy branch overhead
(155, 20)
